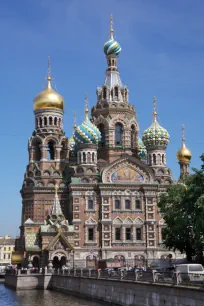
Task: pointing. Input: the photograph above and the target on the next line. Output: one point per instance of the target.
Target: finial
(86, 107)
(111, 27)
(183, 133)
(49, 78)
(154, 104)
(74, 120)
(56, 188)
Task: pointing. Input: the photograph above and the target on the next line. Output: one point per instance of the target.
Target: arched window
(163, 159)
(116, 92)
(93, 157)
(45, 121)
(40, 122)
(104, 92)
(154, 159)
(84, 157)
(36, 123)
(133, 137)
(102, 131)
(51, 151)
(55, 121)
(88, 157)
(37, 151)
(50, 120)
(118, 134)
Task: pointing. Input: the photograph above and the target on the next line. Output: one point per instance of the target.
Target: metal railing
(185, 279)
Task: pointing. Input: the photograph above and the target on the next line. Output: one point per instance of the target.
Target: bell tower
(113, 115)
(48, 150)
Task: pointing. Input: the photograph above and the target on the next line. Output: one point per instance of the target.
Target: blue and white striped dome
(112, 47)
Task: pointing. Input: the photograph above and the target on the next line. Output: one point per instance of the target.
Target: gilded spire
(86, 107)
(111, 27)
(48, 73)
(154, 107)
(183, 134)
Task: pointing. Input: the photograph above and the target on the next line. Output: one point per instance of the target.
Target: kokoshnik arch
(94, 195)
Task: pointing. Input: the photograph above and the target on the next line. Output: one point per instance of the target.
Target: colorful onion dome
(87, 132)
(142, 152)
(112, 47)
(155, 135)
(184, 154)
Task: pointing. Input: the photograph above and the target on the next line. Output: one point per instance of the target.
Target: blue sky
(162, 55)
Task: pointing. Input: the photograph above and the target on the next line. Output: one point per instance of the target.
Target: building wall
(7, 246)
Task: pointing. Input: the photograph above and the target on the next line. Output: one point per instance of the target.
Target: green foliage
(182, 208)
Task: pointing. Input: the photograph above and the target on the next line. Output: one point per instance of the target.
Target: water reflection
(9, 297)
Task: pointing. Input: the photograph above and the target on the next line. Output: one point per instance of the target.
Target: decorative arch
(101, 120)
(117, 221)
(127, 170)
(51, 138)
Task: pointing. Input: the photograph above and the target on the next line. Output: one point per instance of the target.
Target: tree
(182, 208)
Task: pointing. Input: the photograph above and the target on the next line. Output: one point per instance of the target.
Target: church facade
(94, 196)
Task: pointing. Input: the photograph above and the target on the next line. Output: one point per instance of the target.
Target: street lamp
(73, 259)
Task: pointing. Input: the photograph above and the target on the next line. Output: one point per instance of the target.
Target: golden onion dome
(184, 154)
(48, 98)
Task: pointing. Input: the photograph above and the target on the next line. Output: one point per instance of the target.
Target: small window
(9, 248)
(138, 204)
(117, 234)
(128, 233)
(127, 204)
(90, 234)
(9, 256)
(138, 234)
(117, 204)
(90, 204)
(4, 248)
(4, 256)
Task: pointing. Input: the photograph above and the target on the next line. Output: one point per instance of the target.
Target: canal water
(9, 297)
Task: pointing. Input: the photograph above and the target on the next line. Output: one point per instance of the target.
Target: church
(94, 195)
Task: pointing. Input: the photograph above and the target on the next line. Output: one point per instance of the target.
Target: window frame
(127, 201)
(117, 230)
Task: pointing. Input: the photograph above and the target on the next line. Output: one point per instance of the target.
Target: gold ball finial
(184, 155)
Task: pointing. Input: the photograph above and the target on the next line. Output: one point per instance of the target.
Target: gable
(127, 171)
(59, 242)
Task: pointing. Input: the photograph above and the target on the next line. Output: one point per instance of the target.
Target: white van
(190, 273)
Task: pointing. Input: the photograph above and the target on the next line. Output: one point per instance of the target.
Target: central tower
(113, 115)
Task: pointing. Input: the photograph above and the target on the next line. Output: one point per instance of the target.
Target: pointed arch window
(118, 134)
(45, 121)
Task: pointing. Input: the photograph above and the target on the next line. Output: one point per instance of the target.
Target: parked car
(190, 273)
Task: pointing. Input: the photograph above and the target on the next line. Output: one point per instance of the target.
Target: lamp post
(73, 259)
